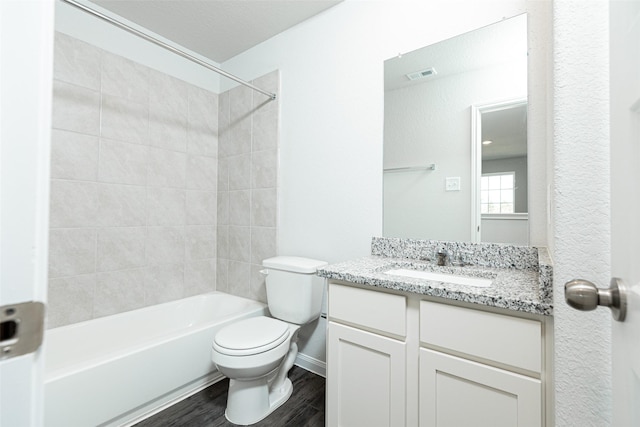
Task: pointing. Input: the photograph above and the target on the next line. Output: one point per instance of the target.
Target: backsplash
(480, 254)
(146, 190)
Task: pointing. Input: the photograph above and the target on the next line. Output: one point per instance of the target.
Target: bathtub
(119, 369)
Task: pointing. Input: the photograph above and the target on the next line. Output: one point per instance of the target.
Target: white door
(625, 203)
(26, 77)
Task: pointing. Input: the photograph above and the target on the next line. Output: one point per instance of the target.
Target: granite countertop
(522, 276)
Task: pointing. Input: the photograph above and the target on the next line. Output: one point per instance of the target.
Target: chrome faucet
(442, 257)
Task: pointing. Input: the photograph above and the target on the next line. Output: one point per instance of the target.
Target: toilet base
(251, 401)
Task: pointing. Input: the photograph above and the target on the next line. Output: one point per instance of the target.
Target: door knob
(585, 296)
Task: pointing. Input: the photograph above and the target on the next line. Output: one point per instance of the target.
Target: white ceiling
(217, 29)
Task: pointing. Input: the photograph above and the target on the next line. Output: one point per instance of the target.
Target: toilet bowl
(257, 353)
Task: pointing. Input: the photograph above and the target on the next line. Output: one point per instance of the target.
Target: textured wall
(581, 212)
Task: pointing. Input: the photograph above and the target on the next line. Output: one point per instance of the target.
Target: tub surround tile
(75, 108)
(166, 206)
(200, 276)
(167, 128)
(239, 243)
(202, 173)
(201, 207)
(223, 207)
(122, 162)
(520, 283)
(124, 119)
(264, 207)
(72, 251)
(121, 205)
(200, 242)
(70, 300)
(166, 168)
(165, 244)
(76, 62)
(239, 169)
(74, 155)
(124, 78)
(119, 291)
(163, 283)
(263, 244)
(120, 248)
(73, 203)
(240, 207)
(240, 278)
(264, 165)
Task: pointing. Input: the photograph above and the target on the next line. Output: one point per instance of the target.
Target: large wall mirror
(455, 138)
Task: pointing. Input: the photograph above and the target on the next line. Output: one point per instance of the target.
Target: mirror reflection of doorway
(499, 149)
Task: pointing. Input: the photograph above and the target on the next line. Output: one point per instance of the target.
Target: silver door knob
(584, 295)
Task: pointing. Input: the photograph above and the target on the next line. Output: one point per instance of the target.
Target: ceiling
(217, 29)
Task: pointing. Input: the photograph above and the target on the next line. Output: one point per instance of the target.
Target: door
(625, 203)
(26, 77)
(366, 379)
(459, 392)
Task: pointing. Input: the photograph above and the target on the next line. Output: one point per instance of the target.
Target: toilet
(257, 353)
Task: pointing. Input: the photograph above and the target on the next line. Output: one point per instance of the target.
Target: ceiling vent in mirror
(427, 72)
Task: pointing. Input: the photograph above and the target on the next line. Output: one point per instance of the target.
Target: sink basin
(480, 282)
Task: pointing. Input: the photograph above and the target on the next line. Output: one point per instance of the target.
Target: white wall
(581, 213)
(331, 100)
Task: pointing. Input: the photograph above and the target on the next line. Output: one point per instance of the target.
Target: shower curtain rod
(168, 47)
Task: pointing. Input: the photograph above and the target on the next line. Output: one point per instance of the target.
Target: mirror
(441, 103)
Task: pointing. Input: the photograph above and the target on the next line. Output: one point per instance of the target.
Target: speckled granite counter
(522, 276)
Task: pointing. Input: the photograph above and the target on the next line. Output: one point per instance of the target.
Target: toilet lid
(251, 336)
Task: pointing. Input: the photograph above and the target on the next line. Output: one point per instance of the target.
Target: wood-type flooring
(206, 408)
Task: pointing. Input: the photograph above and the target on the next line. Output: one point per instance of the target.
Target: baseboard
(311, 364)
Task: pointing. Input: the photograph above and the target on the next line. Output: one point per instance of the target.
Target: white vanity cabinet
(401, 359)
(479, 368)
(366, 358)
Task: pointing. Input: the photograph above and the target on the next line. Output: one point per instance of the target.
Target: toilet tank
(294, 292)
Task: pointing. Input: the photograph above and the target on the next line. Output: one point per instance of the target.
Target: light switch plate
(452, 183)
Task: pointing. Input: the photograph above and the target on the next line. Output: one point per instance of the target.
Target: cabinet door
(365, 379)
(455, 392)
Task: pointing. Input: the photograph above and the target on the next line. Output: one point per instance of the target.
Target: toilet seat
(251, 336)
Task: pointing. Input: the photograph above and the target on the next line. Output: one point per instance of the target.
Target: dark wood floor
(206, 408)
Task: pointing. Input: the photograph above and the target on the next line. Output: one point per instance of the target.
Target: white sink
(480, 282)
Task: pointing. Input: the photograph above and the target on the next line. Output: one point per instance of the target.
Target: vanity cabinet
(366, 358)
(479, 368)
(396, 359)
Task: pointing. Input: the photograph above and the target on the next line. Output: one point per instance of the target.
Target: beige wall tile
(121, 205)
(200, 277)
(201, 207)
(70, 300)
(72, 251)
(239, 243)
(200, 242)
(264, 207)
(122, 162)
(74, 155)
(76, 62)
(119, 291)
(73, 204)
(163, 282)
(120, 248)
(166, 206)
(124, 78)
(165, 244)
(75, 108)
(124, 119)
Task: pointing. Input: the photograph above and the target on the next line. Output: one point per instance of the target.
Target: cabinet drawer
(371, 309)
(503, 339)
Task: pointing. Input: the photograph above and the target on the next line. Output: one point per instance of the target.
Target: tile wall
(247, 187)
(133, 186)
(150, 200)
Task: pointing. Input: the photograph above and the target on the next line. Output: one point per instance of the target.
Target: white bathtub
(118, 369)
